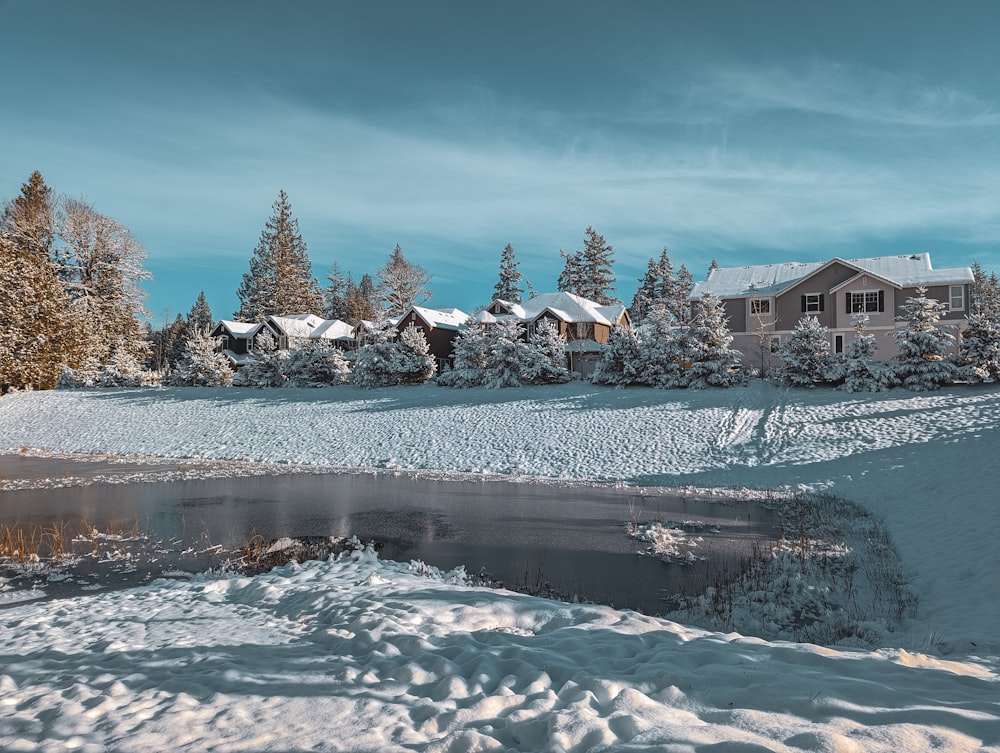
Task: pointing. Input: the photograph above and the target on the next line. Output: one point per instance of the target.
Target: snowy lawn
(358, 654)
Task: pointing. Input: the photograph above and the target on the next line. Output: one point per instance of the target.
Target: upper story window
(760, 305)
(812, 303)
(868, 302)
(956, 297)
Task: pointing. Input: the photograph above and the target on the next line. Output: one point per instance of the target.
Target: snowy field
(366, 655)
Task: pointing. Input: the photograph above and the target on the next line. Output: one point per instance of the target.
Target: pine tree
(402, 284)
(678, 297)
(646, 294)
(661, 286)
(546, 356)
(265, 365)
(571, 278)
(28, 221)
(806, 355)
(713, 362)
(40, 331)
(620, 360)
(985, 296)
(862, 373)
(508, 287)
(200, 316)
(508, 358)
(280, 280)
(316, 364)
(979, 350)
(920, 363)
(661, 355)
(362, 302)
(201, 364)
(335, 294)
(468, 358)
(386, 362)
(417, 363)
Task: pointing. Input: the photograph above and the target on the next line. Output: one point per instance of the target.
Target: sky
(741, 132)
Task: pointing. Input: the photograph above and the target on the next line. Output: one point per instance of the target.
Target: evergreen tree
(508, 287)
(620, 361)
(677, 300)
(402, 284)
(335, 294)
(417, 363)
(713, 362)
(316, 364)
(920, 363)
(200, 316)
(547, 356)
(712, 266)
(280, 280)
(201, 364)
(806, 355)
(363, 301)
(661, 351)
(386, 362)
(265, 365)
(40, 332)
(468, 358)
(508, 358)
(985, 292)
(28, 221)
(588, 273)
(979, 350)
(646, 294)
(862, 373)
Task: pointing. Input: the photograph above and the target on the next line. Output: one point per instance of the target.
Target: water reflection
(572, 537)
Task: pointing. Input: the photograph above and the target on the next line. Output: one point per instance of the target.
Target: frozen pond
(573, 537)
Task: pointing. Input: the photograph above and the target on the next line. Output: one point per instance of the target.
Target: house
(584, 324)
(291, 330)
(440, 327)
(764, 302)
(237, 339)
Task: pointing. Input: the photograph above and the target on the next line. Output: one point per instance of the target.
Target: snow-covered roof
(440, 318)
(239, 329)
(906, 270)
(567, 307)
(310, 326)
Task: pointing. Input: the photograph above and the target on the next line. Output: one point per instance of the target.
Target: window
(956, 297)
(868, 302)
(760, 305)
(812, 303)
(775, 344)
(838, 343)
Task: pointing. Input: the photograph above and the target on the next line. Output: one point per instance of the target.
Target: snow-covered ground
(362, 654)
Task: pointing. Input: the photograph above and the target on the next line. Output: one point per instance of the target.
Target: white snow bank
(367, 655)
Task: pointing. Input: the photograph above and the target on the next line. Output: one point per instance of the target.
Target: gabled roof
(906, 270)
(439, 318)
(238, 329)
(566, 307)
(310, 326)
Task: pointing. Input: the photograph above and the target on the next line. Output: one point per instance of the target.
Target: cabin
(764, 302)
(236, 340)
(439, 326)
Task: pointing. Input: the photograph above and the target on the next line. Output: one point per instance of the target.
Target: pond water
(573, 537)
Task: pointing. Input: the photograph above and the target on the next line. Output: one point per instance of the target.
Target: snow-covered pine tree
(597, 261)
(468, 358)
(201, 363)
(362, 301)
(508, 287)
(508, 358)
(979, 350)
(335, 294)
(921, 364)
(661, 360)
(547, 355)
(806, 355)
(402, 284)
(713, 362)
(200, 316)
(417, 365)
(385, 362)
(985, 292)
(650, 289)
(620, 359)
(862, 373)
(571, 278)
(265, 365)
(677, 300)
(316, 364)
(280, 279)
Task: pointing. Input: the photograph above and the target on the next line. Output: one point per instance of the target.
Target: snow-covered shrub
(620, 359)
(508, 357)
(706, 347)
(265, 364)
(122, 370)
(316, 364)
(393, 362)
(806, 359)
(921, 364)
(200, 364)
(979, 350)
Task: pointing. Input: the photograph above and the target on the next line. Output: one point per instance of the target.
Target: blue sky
(748, 132)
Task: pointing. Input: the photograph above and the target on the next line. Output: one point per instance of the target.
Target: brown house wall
(789, 303)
